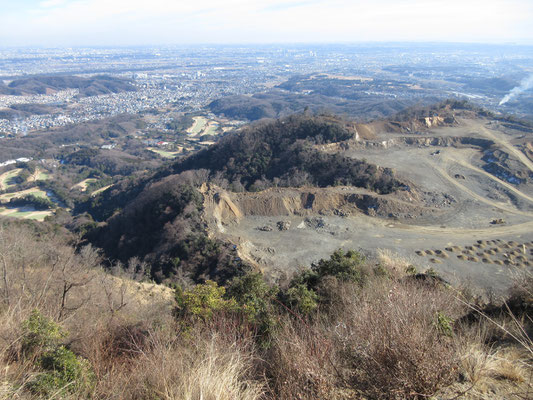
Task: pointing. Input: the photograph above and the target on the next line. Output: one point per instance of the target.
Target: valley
(267, 222)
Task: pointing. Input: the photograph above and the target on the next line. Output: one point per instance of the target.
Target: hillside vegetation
(282, 153)
(93, 86)
(163, 227)
(348, 328)
(159, 219)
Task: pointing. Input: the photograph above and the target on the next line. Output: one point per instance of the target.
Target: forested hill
(278, 152)
(158, 219)
(93, 86)
(283, 153)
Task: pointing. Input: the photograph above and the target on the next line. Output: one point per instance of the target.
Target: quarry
(466, 209)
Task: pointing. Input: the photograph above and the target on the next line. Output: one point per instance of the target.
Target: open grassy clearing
(163, 153)
(211, 128)
(40, 175)
(34, 191)
(38, 215)
(6, 177)
(43, 176)
(25, 213)
(83, 184)
(100, 190)
(198, 126)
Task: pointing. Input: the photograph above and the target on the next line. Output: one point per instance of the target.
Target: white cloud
(179, 21)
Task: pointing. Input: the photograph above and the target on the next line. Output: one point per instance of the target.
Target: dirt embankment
(224, 208)
(424, 141)
(406, 126)
(528, 150)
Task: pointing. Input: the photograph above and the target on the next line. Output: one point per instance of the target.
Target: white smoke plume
(524, 85)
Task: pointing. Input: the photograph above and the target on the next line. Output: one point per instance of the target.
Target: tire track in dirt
(474, 195)
(523, 228)
(504, 143)
(488, 175)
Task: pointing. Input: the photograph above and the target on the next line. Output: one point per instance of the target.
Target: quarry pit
(466, 209)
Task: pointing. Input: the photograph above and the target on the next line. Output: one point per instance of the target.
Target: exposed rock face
(431, 122)
(426, 141)
(222, 208)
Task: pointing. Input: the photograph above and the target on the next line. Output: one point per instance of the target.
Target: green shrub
(255, 299)
(302, 299)
(380, 271)
(411, 270)
(444, 324)
(63, 371)
(61, 368)
(252, 294)
(40, 333)
(432, 273)
(202, 301)
(312, 286)
(346, 267)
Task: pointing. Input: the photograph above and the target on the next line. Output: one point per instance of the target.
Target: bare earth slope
(468, 211)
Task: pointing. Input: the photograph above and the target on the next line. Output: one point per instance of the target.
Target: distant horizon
(126, 23)
(271, 44)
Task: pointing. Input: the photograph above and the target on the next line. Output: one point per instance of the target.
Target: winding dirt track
(516, 229)
(502, 230)
(453, 181)
(488, 175)
(496, 137)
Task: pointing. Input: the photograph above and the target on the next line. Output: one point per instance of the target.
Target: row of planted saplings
(496, 251)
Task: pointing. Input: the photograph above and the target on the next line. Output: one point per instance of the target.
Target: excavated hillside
(427, 184)
(222, 207)
(157, 219)
(464, 179)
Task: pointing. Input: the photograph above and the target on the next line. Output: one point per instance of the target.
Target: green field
(83, 184)
(6, 177)
(42, 176)
(24, 213)
(198, 126)
(34, 191)
(163, 153)
(39, 215)
(212, 129)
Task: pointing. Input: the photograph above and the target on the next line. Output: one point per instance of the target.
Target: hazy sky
(130, 22)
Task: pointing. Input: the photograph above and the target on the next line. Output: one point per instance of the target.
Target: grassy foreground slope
(348, 328)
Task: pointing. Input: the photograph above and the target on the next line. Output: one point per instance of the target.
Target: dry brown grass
(482, 363)
(488, 369)
(391, 341)
(393, 262)
(301, 363)
(111, 322)
(205, 366)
